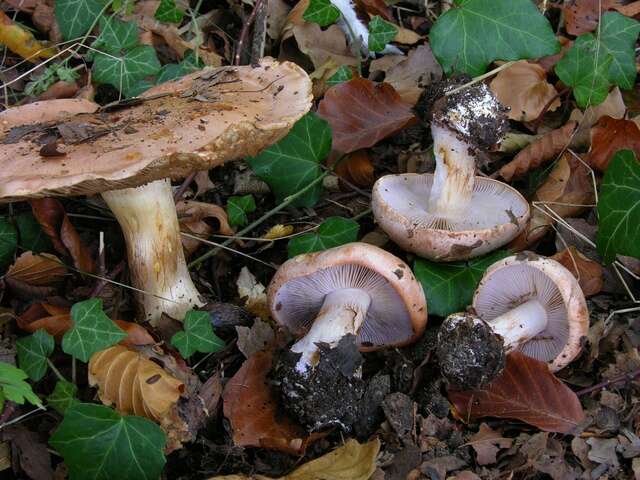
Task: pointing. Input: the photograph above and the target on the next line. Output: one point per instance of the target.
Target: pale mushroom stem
(342, 312)
(454, 177)
(521, 324)
(147, 216)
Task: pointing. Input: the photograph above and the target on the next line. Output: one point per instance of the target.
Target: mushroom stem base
(521, 324)
(147, 216)
(342, 312)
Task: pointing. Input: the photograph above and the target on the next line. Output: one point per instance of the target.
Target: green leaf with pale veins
(13, 386)
(197, 335)
(381, 33)
(168, 12)
(619, 208)
(32, 237)
(63, 396)
(92, 330)
(123, 72)
(237, 209)
(294, 162)
(450, 286)
(618, 37)
(334, 231)
(116, 35)
(467, 38)
(75, 17)
(343, 74)
(322, 12)
(33, 352)
(8, 242)
(97, 443)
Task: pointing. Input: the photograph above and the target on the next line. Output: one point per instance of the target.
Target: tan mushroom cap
(519, 278)
(497, 214)
(191, 124)
(398, 311)
(45, 111)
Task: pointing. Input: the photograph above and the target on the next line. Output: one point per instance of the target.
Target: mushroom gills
(520, 324)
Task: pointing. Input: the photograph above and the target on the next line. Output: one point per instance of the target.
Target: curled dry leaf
(582, 16)
(487, 443)
(136, 334)
(544, 149)
(41, 269)
(53, 319)
(21, 41)
(356, 169)
(588, 272)
(613, 106)
(251, 407)
(609, 136)
(193, 215)
(278, 231)
(523, 87)
(361, 113)
(527, 391)
(253, 293)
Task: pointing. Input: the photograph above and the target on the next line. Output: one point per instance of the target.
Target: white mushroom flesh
(521, 324)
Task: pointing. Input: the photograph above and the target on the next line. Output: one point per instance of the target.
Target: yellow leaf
(21, 41)
(278, 231)
(254, 293)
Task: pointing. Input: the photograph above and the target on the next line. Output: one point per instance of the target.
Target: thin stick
(624, 377)
(56, 371)
(480, 78)
(183, 188)
(245, 32)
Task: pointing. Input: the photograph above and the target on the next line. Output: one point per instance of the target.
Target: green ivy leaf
(322, 12)
(116, 36)
(92, 330)
(8, 242)
(98, 443)
(168, 12)
(123, 72)
(334, 231)
(469, 37)
(32, 237)
(450, 286)
(619, 208)
(63, 396)
(237, 209)
(75, 17)
(618, 37)
(13, 386)
(294, 162)
(33, 353)
(197, 335)
(138, 88)
(343, 74)
(381, 33)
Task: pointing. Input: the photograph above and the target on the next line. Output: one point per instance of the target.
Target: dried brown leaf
(136, 334)
(610, 135)
(613, 106)
(487, 443)
(193, 215)
(588, 272)
(41, 269)
(356, 169)
(253, 293)
(527, 391)
(582, 16)
(55, 320)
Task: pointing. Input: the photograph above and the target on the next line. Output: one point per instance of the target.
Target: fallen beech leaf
(588, 272)
(54, 221)
(255, 339)
(192, 216)
(582, 16)
(21, 41)
(487, 443)
(253, 293)
(136, 334)
(361, 113)
(60, 89)
(356, 169)
(548, 62)
(630, 10)
(406, 36)
(527, 391)
(55, 320)
(41, 269)
(609, 136)
(546, 148)
(278, 231)
(251, 407)
(523, 87)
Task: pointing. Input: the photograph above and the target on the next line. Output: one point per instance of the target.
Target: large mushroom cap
(194, 123)
(517, 279)
(497, 214)
(398, 311)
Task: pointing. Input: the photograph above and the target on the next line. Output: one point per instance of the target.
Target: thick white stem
(342, 312)
(454, 176)
(520, 324)
(147, 216)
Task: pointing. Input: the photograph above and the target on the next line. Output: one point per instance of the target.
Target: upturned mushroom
(524, 302)
(354, 293)
(129, 152)
(453, 214)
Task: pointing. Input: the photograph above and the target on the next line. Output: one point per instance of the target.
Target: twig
(480, 78)
(259, 33)
(624, 377)
(245, 32)
(183, 188)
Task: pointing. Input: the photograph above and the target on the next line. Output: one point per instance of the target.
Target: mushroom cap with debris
(174, 129)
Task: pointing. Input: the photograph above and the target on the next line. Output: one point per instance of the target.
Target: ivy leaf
(334, 231)
(32, 237)
(237, 209)
(8, 241)
(468, 38)
(116, 35)
(618, 36)
(197, 335)
(381, 32)
(294, 162)
(124, 72)
(168, 12)
(33, 353)
(92, 330)
(13, 386)
(619, 208)
(75, 17)
(322, 12)
(343, 74)
(96, 442)
(63, 396)
(450, 286)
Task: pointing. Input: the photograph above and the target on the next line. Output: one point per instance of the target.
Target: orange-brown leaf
(40, 270)
(588, 272)
(610, 135)
(487, 443)
(356, 169)
(21, 41)
(582, 16)
(546, 148)
(251, 407)
(361, 113)
(527, 391)
(54, 320)
(193, 215)
(136, 334)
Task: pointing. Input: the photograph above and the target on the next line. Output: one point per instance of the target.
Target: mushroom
(523, 302)
(129, 151)
(356, 296)
(453, 214)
